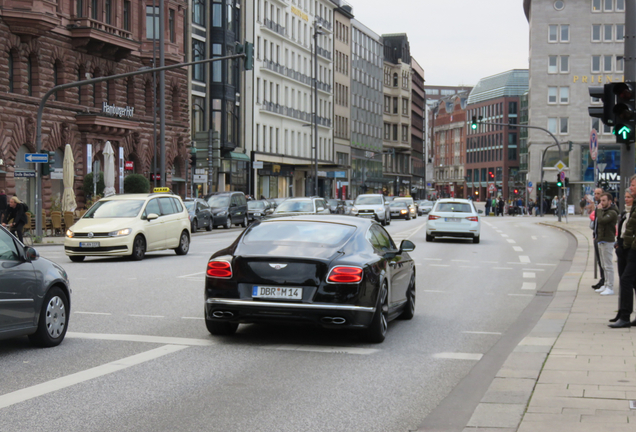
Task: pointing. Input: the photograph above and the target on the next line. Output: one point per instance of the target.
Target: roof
(340, 219)
(137, 196)
(506, 84)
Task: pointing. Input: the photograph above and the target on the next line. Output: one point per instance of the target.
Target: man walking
(488, 206)
(597, 198)
(500, 205)
(606, 217)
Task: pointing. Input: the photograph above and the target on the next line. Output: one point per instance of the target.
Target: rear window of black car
(327, 234)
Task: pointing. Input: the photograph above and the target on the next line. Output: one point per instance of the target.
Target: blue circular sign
(529, 184)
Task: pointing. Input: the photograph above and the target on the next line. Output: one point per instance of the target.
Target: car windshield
(189, 205)
(253, 205)
(426, 203)
(291, 206)
(406, 200)
(115, 209)
(369, 200)
(454, 207)
(219, 201)
(332, 202)
(398, 204)
(318, 233)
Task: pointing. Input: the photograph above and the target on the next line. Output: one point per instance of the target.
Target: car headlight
(69, 233)
(223, 213)
(403, 211)
(257, 214)
(120, 233)
(354, 210)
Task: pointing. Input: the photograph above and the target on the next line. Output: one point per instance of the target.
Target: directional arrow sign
(36, 158)
(624, 132)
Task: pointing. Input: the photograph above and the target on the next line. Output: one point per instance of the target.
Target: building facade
(397, 115)
(573, 45)
(58, 42)
(279, 97)
(418, 113)
(492, 152)
(366, 110)
(436, 93)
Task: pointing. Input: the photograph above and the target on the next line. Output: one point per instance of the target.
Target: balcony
(276, 28)
(295, 75)
(103, 39)
(104, 125)
(30, 18)
(325, 24)
(294, 113)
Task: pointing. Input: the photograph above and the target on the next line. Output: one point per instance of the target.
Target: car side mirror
(31, 254)
(152, 216)
(480, 211)
(407, 246)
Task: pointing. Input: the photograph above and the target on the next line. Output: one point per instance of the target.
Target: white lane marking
(193, 274)
(529, 275)
(533, 269)
(490, 262)
(91, 313)
(511, 241)
(533, 237)
(28, 393)
(516, 263)
(439, 265)
(193, 318)
(458, 356)
(323, 349)
(146, 316)
(482, 332)
(524, 258)
(529, 286)
(141, 338)
(504, 235)
(502, 268)
(517, 248)
(468, 266)
(546, 264)
(432, 291)
(521, 295)
(432, 259)
(460, 260)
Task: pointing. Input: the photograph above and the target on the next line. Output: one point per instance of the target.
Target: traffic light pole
(556, 143)
(628, 152)
(38, 129)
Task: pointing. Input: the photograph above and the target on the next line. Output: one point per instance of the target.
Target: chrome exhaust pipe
(338, 320)
(217, 314)
(228, 314)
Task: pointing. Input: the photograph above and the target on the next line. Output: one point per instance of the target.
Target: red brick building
(48, 43)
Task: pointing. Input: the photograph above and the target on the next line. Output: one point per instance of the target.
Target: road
(137, 356)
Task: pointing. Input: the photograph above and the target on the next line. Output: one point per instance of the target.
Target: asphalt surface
(138, 357)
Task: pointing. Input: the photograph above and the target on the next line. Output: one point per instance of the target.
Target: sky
(457, 42)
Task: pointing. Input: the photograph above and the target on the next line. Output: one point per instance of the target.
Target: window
(607, 32)
(565, 64)
(565, 33)
(596, 5)
(563, 125)
(387, 131)
(108, 10)
(405, 133)
(395, 105)
(596, 32)
(620, 5)
(79, 4)
(127, 9)
(217, 14)
(607, 63)
(607, 6)
(152, 22)
(552, 95)
(552, 124)
(553, 33)
(94, 8)
(596, 64)
(620, 32)
(387, 104)
(395, 80)
(198, 114)
(552, 64)
(29, 64)
(620, 64)
(198, 12)
(198, 53)
(11, 72)
(596, 123)
(405, 106)
(171, 19)
(395, 132)
(564, 95)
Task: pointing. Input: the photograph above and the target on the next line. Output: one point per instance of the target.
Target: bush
(136, 183)
(87, 187)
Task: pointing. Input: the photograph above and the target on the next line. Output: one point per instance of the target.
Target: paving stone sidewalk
(572, 372)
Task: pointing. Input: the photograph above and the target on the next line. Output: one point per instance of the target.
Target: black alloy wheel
(208, 227)
(244, 223)
(139, 248)
(376, 332)
(184, 244)
(194, 226)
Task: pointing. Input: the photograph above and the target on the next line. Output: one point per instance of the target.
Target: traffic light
(473, 123)
(249, 56)
(623, 111)
(491, 175)
(47, 167)
(539, 187)
(516, 191)
(567, 182)
(193, 157)
(559, 183)
(606, 95)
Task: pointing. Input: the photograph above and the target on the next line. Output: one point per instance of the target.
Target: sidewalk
(572, 372)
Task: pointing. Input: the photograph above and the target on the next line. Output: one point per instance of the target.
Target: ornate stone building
(44, 44)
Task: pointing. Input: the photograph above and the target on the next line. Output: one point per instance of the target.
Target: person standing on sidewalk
(606, 217)
(487, 206)
(597, 199)
(500, 206)
(621, 255)
(3, 205)
(628, 277)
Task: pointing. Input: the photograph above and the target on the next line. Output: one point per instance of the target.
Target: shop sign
(200, 178)
(23, 174)
(155, 176)
(300, 14)
(129, 165)
(57, 174)
(116, 111)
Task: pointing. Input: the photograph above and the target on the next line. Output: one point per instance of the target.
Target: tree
(136, 183)
(87, 187)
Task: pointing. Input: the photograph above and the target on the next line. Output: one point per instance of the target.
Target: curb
(506, 401)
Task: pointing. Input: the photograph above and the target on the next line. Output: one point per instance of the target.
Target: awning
(239, 156)
(178, 179)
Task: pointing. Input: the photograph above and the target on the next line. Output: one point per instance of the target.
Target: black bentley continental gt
(330, 271)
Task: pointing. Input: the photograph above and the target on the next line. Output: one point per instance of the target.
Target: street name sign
(36, 158)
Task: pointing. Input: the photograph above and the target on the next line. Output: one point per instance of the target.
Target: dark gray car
(228, 208)
(34, 294)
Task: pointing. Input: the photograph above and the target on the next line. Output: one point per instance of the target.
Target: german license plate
(270, 292)
(89, 244)
(453, 219)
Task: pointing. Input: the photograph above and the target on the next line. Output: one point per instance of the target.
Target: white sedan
(453, 217)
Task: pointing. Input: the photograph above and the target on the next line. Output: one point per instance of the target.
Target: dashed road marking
(529, 286)
(142, 338)
(511, 241)
(524, 258)
(529, 275)
(193, 274)
(323, 349)
(460, 260)
(146, 316)
(546, 265)
(468, 266)
(458, 356)
(517, 248)
(490, 262)
(482, 332)
(504, 235)
(521, 295)
(533, 237)
(439, 265)
(529, 269)
(91, 313)
(432, 259)
(502, 268)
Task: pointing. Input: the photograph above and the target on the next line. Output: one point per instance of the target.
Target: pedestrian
(582, 204)
(494, 206)
(520, 206)
(3, 204)
(488, 207)
(16, 217)
(500, 206)
(597, 198)
(530, 206)
(606, 218)
(621, 255)
(554, 205)
(628, 277)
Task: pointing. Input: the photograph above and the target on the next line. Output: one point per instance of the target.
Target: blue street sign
(529, 184)
(36, 157)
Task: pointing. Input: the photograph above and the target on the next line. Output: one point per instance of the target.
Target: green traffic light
(624, 132)
(473, 126)
(559, 184)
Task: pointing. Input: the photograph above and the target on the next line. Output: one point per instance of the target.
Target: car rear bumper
(453, 234)
(321, 314)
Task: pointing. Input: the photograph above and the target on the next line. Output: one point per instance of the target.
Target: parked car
(228, 208)
(275, 202)
(199, 213)
(130, 225)
(256, 210)
(295, 206)
(453, 217)
(373, 206)
(336, 206)
(425, 207)
(399, 209)
(335, 272)
(35, 294)
(410, 203)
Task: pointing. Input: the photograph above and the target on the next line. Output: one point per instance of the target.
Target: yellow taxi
(130, 225)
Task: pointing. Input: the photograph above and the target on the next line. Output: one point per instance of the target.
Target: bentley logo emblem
(278, 266)
(90, 235)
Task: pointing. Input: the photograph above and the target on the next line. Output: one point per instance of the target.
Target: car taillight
(432, 217)
(219, 269)
(345, 275)
(473, 218)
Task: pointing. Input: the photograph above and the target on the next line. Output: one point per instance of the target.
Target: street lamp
(317, 31)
